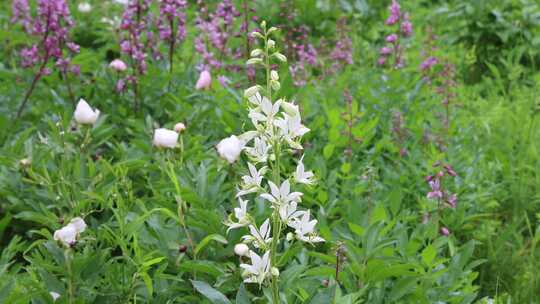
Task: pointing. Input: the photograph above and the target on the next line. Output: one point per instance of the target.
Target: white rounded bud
(241, 249)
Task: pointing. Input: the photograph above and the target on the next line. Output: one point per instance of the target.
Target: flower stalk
(278, 129)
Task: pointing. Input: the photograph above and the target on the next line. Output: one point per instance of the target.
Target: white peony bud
(165, 138)
(230, 148)
(84, 7)
(179, 127)
(84, 113)
(118, 65)
(241, 249)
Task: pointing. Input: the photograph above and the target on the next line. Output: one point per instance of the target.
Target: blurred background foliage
(156, 232)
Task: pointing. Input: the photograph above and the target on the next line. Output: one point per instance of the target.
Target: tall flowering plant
(278, 129)
(51, 26)
(394, 48)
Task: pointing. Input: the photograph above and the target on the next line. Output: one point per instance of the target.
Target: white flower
(118, 65)
(84, 113)
(164, 138)
(84, 7)
(68, 234)
(289, 215)
(54, 295)
(230, 148)
(264, 112)
(259, 237)
(305, 229)
(241, 216)
(301, 176)
(281, 195)
(259, 151)
(241, 249)
(179, 127)
(253, 181)
(291, 128)
(259, 268)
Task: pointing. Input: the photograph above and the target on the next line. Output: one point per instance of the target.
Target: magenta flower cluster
(436, 184)
(394, 48)
(172, 20)
(51, 27)
(217, 28)
(341, 55)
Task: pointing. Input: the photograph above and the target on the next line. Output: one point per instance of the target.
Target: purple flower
(452, 200)
(428, 63)
(391, 38)
(395, 13)
(386, 50)
(445, 231)
(435, 190)
(406, 26)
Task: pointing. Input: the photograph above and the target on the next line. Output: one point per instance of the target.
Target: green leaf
(242, 295)
(401, 288)
(207, 239)
(209, 292)
(328, 150)
(148, 282)
(428, 254)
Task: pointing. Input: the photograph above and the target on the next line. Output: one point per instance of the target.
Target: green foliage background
(143, 204)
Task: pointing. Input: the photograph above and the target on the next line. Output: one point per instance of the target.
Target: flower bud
(256, 53)
(280, 57)
(254, 61)
(275, 271)
(164, 138)
(204, 81)
(251, 91)
(179, 127)
(274, 75)
(230, 148)
(241, 249)
(84, 114)
(271, 43)
(118, 65)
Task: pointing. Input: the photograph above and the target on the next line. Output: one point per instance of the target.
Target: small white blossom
(291, 128)
(230, 148)
(252, 182)
(281, 195)
(84, 114)
(289, 215)
(118, 65)
(54, 295)
(179, 127)
(259, 237)
(84, 7)
(165, 138)
(259, 151)
(259, 269)
(241, 216)
(302, 176)
(305, 229)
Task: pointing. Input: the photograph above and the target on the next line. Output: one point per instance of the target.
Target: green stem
(70, 275)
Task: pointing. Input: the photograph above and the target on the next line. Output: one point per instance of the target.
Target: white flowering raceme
(277, 131)
(230, 148)
(165, 138)
(84, 114)
(68, 234)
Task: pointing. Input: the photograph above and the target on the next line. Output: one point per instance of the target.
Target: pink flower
(381, 61)
(205, 81)
(118, 65)
(386, 50)
(445, 231)
(391, 38)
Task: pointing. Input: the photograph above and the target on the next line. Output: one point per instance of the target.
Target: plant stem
(70, 275)
(70, 90)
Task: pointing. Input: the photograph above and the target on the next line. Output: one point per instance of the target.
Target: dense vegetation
(150, 149)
